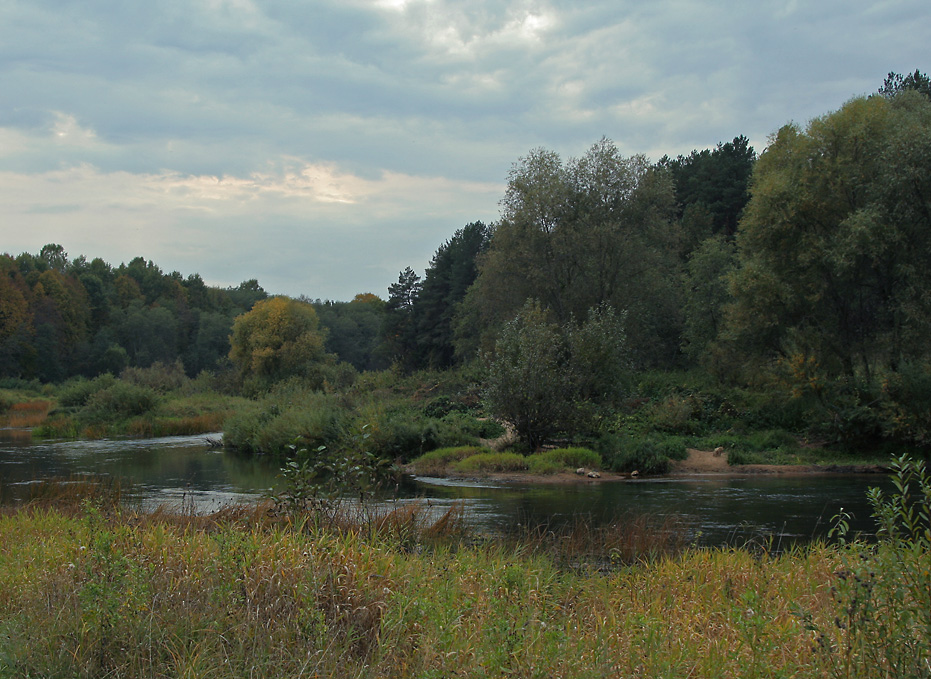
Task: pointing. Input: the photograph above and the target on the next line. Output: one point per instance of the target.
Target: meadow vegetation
(101, 590)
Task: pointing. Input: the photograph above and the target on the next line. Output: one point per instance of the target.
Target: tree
(14, 310)
(713, 182)
(278, 338)
(353, 330)
(527, 384)
(543, 378)
(446, 281)
(896, 82)
(246, 294)
(835, 246)
(596, 230)
(399, 331)
(706, 294)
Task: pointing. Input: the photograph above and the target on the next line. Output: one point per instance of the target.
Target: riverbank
(98, 592)
(698, 463)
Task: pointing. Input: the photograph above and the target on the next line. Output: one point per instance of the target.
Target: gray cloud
(323, 146)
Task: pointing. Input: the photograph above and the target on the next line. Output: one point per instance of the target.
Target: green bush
(539, 464)
(646, 454)
(441, 406)
(907, 404)
(76, 392)
(436, 462)
(468, 425)
(120, 401)
(240, 431)
(567, 458)
(485, 463)
(323, 425)
(160, 377)
(403, 432)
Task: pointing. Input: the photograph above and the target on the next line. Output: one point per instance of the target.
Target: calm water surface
(186, 471)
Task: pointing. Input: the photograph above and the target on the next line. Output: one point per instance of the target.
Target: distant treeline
(809, 265)
(62, 317)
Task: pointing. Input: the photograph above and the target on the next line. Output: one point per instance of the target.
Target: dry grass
(246, 593)
(26, 414)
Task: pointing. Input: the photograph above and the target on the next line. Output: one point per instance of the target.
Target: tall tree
(353, 330)
(450, 274)
(544, 378)
(399, 330)
(278, 338)
(715, 183)
(595, 230)
(896, 82)
(835, 247)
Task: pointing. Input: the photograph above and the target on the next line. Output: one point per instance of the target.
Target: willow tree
(575, 235)
(279, 338)
(835, 245)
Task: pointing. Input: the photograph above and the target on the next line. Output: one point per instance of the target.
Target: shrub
(403, 433)
(648, 454)
(772, 439)
(240, 432)
(540, 464)
(883, 594)
(567, 458)
(441, 406)
(322, 424)
(117, 402)
(676, 413)
(491, 462)
(160, 377)
(436, 462)
(75, 393)
(907, 404)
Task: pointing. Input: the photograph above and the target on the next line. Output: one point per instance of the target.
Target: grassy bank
(92, 595)
(99, 591)
(155, 401)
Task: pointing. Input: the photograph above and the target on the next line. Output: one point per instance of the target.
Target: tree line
(808, 264)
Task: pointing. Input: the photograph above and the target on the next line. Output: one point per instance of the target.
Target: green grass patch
(437, 462)
(490, 463)
(563, 459)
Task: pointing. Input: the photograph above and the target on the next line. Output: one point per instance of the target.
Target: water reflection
(773, 509)
(186, 472)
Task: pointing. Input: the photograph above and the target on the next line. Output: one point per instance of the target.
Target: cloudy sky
(322, 146)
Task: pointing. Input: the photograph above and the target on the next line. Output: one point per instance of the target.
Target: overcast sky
(321, 147)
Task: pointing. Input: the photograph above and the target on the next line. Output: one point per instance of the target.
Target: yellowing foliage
(280, 337)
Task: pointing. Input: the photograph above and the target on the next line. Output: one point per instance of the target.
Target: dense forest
(805, 268)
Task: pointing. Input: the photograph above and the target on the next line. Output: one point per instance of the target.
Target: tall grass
(25, 414)
(97, 592)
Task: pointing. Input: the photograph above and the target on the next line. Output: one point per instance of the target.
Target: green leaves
(542, 375)
(279, 338)
(833, 245)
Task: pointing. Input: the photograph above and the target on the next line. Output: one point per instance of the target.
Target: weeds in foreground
(883, 591)
(249, 593)
(99, 591)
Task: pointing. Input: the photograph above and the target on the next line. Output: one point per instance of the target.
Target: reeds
(581, 544)
(247, 593)
(26, 414)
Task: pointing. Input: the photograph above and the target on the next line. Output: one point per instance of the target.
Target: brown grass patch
(26, 414)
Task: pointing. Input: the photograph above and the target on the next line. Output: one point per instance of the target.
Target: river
(186, 472)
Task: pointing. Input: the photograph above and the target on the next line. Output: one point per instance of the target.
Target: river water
(186, 472)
